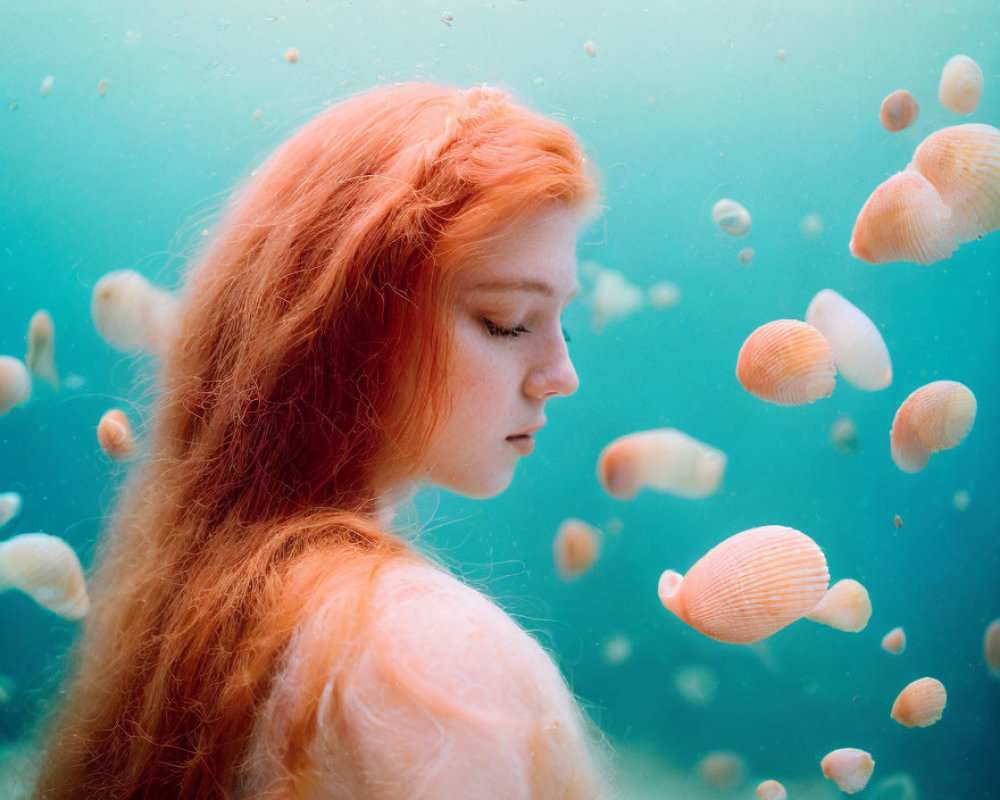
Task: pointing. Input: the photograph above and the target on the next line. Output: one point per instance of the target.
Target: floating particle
(859, 350)
(898, 111)
(663, 295)
(47, 83)
(539, 81)
(934, 417)
(811, 225)
(960, 500)
(114, 434)
(575, 548)
(292, 55)
(844, 434)
(787, 362)
(733, 218)
(920, 704)
(849, 768)
(845, 607)
(41, 356)
(771, 790)
(15, 383)
(963, 164)
(662, 459)
(749, 586)
(991, 648)
(13, 106)
(590, 48)
(961, 85)
(102, 87)
(897, 521)
(894, 641)
(448, 18)
(904, 219)
(257, 115)
(722, 769)
(132, 315)
(697, 684)
(46, 569)
(614, 297)
(10, 506)
(617, 649)
(780, 54)
(745, 256)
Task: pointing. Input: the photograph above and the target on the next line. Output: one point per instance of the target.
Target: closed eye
(497, 330)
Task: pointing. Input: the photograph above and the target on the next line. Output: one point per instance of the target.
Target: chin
(480, 486)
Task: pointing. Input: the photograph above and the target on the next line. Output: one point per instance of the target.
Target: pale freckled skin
(498, 385)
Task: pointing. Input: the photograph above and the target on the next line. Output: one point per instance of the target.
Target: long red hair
(302, 379)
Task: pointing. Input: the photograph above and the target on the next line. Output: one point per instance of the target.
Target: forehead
(535, 252)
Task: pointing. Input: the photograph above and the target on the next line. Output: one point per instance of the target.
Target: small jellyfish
(45, 568)
(963, 164)
(859, 351)
(102, 87)
(614, 297)
(663, 295)
(74, 382)
(448, 18)
(662, 459)
(292, 55)
(811, 226)
(845, 607)
(617, 649)
(733, 218)
(590, 48)
(615, 526)
(897, 521)
(849, 768)
(780, 54)
(844, 434)
(991, 648)
(749, 586)
(894, 641)
(920, 704)
(904, 219)
(41, 357)
(256, 116)
(697, 684)
(787, 362)
(771, 790)
(132, 315)
(10, 506)
(575, 548)
(722, 769)
(934, 417)
(961, 85)
(898, 111)
(114, 434)
(745, 256)
(897, 786)
(15, 383)
(47, 83)
(960, 500)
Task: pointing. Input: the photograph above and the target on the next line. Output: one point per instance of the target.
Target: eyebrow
(519, 286)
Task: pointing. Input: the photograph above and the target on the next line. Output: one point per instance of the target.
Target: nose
(552, 376)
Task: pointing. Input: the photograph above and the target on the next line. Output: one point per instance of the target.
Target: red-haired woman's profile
(377, 311)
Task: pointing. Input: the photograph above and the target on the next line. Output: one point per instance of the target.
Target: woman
(380, 311)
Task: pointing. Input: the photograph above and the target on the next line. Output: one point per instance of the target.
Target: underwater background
(681, 105)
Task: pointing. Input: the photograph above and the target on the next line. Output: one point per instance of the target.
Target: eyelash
(496, 330)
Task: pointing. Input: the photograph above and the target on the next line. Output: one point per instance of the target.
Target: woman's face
(508, 355)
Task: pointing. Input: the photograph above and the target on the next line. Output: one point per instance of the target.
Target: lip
(529, 431)
(525, 443)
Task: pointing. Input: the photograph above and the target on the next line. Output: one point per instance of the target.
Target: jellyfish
(920, 704)
(292, 55)
(844, 434)
(898, 111)
(745, 256)
(934, 417)
(614, 297)
(45, 568)
(15, 383)
(771, 790)
(575, 548)
(991, 648)
(663, 295)
(787, 362)
(114, 434)
(41, 357)
(961, 85)
(132, 315)
(845, 607)
(733, 218)
(894, 641)
(722, 769)
(697, 684)
(859, 350)
(10, 506)
(811, 225)
(849, 768)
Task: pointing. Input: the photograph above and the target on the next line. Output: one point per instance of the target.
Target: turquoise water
(683, 104)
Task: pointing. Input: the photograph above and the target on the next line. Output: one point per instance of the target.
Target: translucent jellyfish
(10, 506)
(733, 218)
(920, 704)
(102, 87)
(663, 295)
(662, 459)
(780, 54)
(722, 769)
(849, 768)
(575, 548)
(41, 357)
(811, 226)
(934, 417)
(961, 85)
(894, 641)
(745, 256)
(787, 362)
(617, 649)
(590, 48)
(771, 790)
(897, 786)
(960, 500)
(859, 350)
(845, 607)
(614, 297)
(898, 111)
(292, 55)
(697, 684)
(132, 315)
(844, 434)
(749, 586)
(45, 568)
(991, 648)
(47, 83)
(897, 521)
(904, 219)
(15, 383)
(114, 434)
